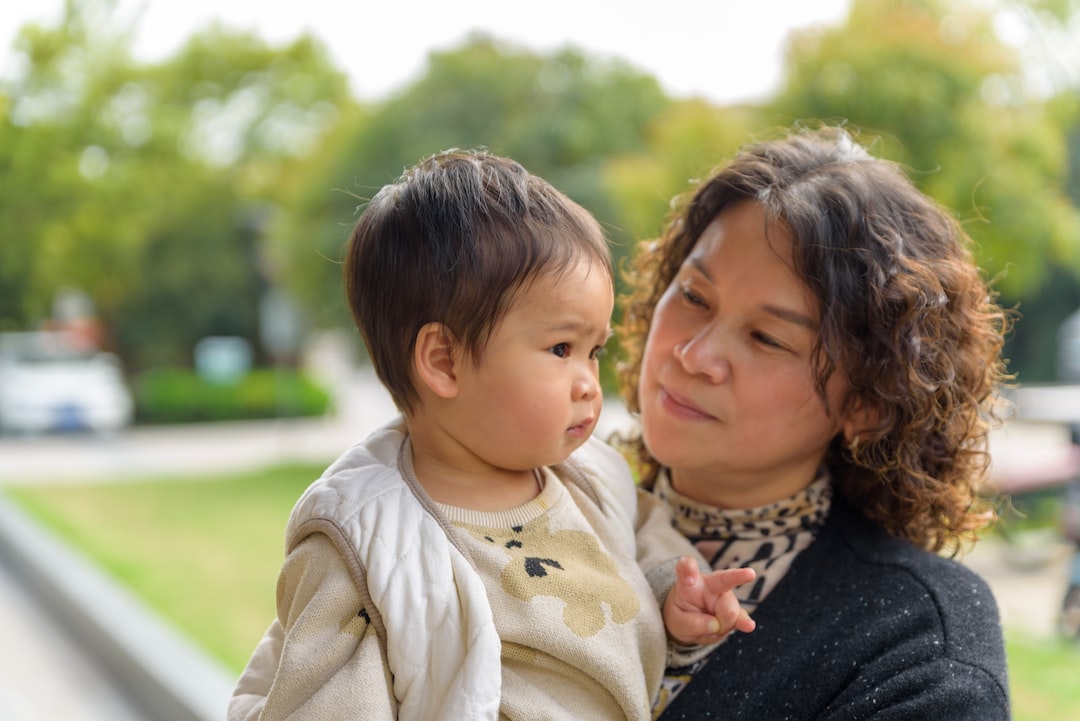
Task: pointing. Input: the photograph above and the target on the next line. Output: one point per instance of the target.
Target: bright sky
(723, 50)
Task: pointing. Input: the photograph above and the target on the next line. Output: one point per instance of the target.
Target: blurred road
(141, 452)
(361, 406)
(44, 676)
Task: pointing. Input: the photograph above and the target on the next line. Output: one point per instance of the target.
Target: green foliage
(563, 116)
(211, 285)
(1059, 10)
(176, 194)
(1031, 513)
(685, 142)
(139, 183)
(933, 79)
(1033, 348)
(182, 396)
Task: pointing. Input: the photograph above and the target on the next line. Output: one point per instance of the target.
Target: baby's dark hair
(453, 241)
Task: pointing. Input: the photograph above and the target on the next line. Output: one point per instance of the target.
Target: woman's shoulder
(900, 590)
(849, 535)
(860, 622)
(853, 558)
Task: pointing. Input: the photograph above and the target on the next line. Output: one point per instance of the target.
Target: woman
(813, 357)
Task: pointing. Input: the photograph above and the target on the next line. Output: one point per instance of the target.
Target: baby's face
(535, 395)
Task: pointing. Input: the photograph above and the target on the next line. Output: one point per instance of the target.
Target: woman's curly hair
(904, 311)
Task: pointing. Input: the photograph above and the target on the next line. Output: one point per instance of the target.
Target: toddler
(481, 556)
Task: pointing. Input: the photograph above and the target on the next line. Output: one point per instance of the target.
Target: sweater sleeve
(255, 682)
(659, 545)
(322, 658)
(659, 548)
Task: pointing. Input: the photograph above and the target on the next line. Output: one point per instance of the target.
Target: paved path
(44, 674)
(225, 447)
(144, 452)
(1028, 582)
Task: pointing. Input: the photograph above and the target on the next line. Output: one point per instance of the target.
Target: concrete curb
(166, 675)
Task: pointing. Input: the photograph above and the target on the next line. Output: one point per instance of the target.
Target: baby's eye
(597, 352)
(562, 350)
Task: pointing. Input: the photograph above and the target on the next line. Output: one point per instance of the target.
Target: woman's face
(728, 399)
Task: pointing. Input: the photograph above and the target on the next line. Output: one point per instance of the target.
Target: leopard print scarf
(767, 539)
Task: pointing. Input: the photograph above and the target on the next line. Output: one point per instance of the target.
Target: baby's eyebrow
(582, 330)
(581, 326)
(569, 325)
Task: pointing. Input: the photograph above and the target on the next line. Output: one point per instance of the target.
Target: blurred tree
(947, 99)
(944, 92)
(39, 161)
(561, 115)
(1047, 31)
(175, 193)
(683, 143)
(142, 184)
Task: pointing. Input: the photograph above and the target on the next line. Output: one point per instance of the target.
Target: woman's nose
(703, 355)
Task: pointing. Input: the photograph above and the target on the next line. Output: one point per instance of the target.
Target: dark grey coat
(863, 626)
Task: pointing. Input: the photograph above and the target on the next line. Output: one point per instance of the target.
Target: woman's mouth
(682, 407)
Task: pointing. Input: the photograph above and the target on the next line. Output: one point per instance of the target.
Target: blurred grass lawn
(205, 554)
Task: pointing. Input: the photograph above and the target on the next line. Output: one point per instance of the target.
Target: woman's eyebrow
(699, 264)
(785, 314)
(792, 316)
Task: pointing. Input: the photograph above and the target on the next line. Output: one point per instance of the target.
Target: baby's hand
(701, 610)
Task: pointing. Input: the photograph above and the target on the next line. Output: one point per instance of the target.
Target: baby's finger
(687, 571)
(720, 582)
(702, 627)
(744, 623)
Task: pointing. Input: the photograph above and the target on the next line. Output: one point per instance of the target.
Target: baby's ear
(433, 359)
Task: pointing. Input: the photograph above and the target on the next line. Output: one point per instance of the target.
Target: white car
(47, 383)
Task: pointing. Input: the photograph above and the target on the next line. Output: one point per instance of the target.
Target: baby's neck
(453, 476)
(488, 491)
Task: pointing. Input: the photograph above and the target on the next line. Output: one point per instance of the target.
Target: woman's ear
(433, 359)
(863, 415)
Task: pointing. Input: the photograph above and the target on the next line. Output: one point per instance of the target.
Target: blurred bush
(177, 395)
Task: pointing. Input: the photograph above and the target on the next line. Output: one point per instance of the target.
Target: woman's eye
(562, 350)
(769, 341)
(690, 297)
